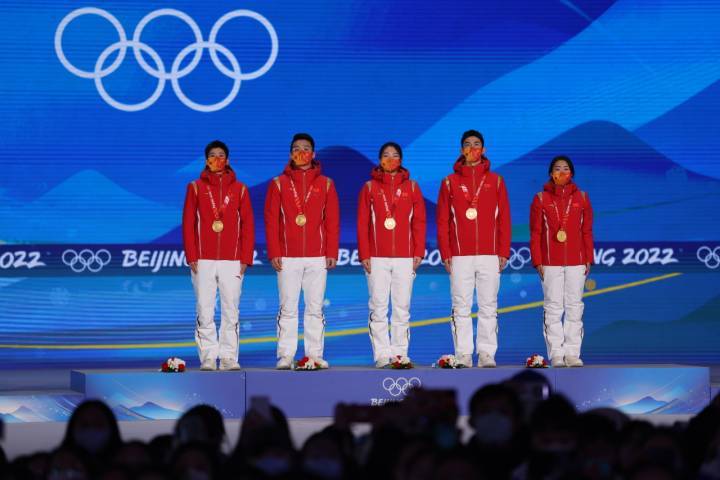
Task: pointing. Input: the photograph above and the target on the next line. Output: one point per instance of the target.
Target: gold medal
(561, 236)
(471, 213)
(301, 220)
(390, 223)
(217, 226)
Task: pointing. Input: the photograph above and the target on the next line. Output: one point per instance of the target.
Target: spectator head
(93, 429)
(496, 414)
(200, 424)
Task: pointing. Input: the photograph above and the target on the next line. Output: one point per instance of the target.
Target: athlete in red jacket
(473, 222)
(391, 242)
(219, 238)
(561, 245)
(302, 224)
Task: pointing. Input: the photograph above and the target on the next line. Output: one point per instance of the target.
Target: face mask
(472, 154)
(191, 429)
(67, 474)
(301, 158)
(216, 164)
(195, 474)
(492, 428)
(91, 439)
(389, 164)
(561, 178)
(272, 465)
(323, 467)
(445, 436)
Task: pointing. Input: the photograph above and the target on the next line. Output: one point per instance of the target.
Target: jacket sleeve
(363, 223)
(332, 222)
(419, 223)
(587, 230)
(536, 222)
(272, 221)
(504, 225)
(189, 225)
(247, 237)
(443, 221)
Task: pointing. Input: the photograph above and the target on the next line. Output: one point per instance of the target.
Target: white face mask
(323, 467)
(492, 428)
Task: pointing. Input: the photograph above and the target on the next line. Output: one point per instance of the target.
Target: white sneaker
(321, 364)
(284, 363)
(573, 361)
(486, 361)
(382, 363)
(229, 364)
(208, 365)
(557, 362)
(464, 361)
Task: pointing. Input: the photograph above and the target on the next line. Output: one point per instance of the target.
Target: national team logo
(159, 70)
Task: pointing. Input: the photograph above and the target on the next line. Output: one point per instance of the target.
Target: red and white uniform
(391, 253)
(567, 208)
(219, 256)
(474, 246)
(303, 250)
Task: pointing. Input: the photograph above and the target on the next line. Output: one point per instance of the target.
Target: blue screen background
(629, 89)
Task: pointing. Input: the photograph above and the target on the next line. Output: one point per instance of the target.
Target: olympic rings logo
(401, 385)
(709, 256)
(159, 71)
(86, 260)
(519, 258)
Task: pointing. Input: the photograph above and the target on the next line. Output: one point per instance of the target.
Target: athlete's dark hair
(563, 158)
(302, 136)
(216, 144)
(390, 144)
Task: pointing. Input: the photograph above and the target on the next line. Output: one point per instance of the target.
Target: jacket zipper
(220, 232)
(392, 189)
(477, 233)
(304, 196)
(567, 239)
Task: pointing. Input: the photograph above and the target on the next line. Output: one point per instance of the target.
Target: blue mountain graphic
(637, 193)
(156, 412)
(87, 208)
(688, 133)
(644, 405)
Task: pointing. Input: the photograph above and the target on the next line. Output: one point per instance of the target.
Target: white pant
(470, 274)
(390, 279)
(211, 276)
(308, 274)
(563, 291)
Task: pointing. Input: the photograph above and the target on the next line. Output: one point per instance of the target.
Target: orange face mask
(561, 178)
(389, 164)
(216, 164)
(472, 154)
(301, 158)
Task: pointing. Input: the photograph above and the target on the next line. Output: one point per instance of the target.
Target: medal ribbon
(390, 210)
(218, 213)
(300, 207)
(564, 219)
(474, 201)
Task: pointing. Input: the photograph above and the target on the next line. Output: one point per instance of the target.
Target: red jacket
(489, 233)
(237, 239)
(544, 225)
(320, 236)
(407, 239)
